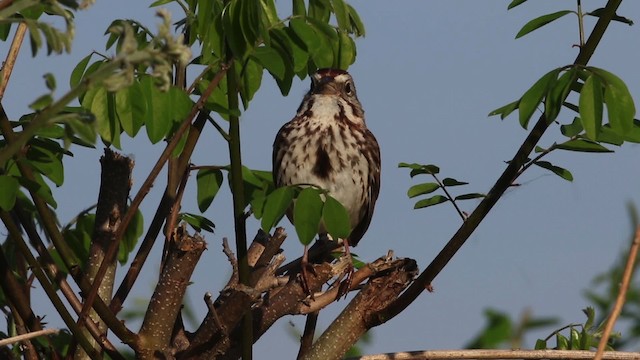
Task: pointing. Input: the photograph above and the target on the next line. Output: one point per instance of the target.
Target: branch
(501, 185)
(31, 335)
(7, 69)
(115, 184)
(498, 354)
(239, 204)
(622, 296)
(165, 304)
(363, 312)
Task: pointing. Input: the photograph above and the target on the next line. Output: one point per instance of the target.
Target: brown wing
(280, 146)
(372, 153)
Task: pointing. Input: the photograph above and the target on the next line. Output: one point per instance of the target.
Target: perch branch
(498, 354)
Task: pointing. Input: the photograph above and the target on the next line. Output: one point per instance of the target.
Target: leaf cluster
(430, 187)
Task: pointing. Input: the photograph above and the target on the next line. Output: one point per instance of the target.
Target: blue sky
(427, 74)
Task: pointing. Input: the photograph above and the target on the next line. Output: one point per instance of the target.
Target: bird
(327, 145)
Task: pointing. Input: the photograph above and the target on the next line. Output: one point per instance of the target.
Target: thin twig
(233, 261)
(9, 63)
(444, 188)
(27, 336)
(498, 354)
(309, 332)
(208, 299)
(622, 296)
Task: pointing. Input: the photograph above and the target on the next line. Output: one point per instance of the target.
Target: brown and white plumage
(327, 144)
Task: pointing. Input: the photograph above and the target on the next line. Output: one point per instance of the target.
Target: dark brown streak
(323, 167)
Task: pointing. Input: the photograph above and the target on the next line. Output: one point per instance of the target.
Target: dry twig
(622, 296)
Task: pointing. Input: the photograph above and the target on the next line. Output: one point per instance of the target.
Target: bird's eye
(348, 88)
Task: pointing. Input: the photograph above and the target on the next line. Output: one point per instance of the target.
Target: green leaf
(583, 146)
(620, 107)
(574, 343)
(161, 2)
(102, 106)
(307, 213)
(562, 343)
(251, 80)
(158, 120)
(540, 345)
(591, 107)
(281, 42)
(346, 51)
(470, 196)
(591, 314)
(306, 34)
(608, 136)
(299, 54)
(271, 60)
(198, 222)
(532, 97)
(563, 173)
(505, 110)
(600, 11)
(336, 218)
(422, 189)
(47, 163)
(78, 71)
(453, 182)
(417, 169)
(276, 206)
(299, 8)
(434, 200)
(341, 12)
(208, 183)
(541, 21)
(357, 26)
(572, 129)
(40, 188)
(319, 9)
(557, 93)
(515, 3)
(41, 102)
(9, 186)
(131, 108)
(50, 81)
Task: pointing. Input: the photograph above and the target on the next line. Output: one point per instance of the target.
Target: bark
(115, 184)
(161, 335)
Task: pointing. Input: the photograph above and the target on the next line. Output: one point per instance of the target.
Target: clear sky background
(427, 74)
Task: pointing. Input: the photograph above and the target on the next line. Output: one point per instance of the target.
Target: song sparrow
(327, 144)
